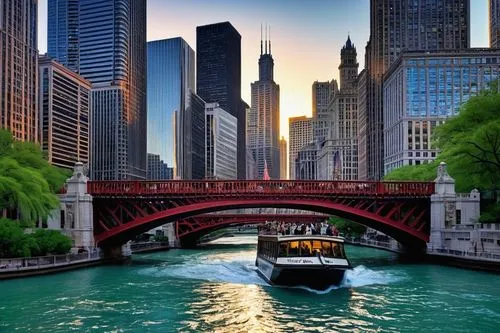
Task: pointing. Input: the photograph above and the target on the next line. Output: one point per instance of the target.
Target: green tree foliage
(27, 181)
(346, 227)
(470, 145)
(51, 242)
(15, 243)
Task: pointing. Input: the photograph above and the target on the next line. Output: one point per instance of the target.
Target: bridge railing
(235, 187)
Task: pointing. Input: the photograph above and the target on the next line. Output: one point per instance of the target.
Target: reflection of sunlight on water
(233, 308)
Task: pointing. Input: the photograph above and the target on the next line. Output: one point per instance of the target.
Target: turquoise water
(217, 289)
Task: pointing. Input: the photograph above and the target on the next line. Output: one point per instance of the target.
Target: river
(217, 289)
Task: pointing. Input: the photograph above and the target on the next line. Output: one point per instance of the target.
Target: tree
(51, 242)
(470, 145)
(347, 227)
(27, 181)
(14, 242)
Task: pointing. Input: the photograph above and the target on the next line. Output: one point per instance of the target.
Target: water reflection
(232, 308)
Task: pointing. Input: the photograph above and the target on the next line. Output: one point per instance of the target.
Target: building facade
(300, 134)
(494, 24)
(64, 114)
(220, 142)
(218, 76)
(397, 25)
(422, 90)
(108, 48)
(263, 128)
(306, 162)
(19, 69)
(362, 125)
(158, 169)
(63, 42)
(283, 159)
(340, 153)
(322, 95)
(176, 115)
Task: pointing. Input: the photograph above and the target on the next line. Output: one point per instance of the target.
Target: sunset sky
(307, 36)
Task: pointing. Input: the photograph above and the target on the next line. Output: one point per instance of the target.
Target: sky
(306, 35)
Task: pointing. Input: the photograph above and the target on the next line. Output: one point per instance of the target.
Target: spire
(266, 40)
(348, 43)
(261, 39)
(269, 39)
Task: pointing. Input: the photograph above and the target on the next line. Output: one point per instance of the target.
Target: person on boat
(308, 230)
(329, 230)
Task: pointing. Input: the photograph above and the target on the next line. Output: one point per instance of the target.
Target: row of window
(304, 248)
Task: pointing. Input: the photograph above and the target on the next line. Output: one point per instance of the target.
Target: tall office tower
(283, 157)
(176, 115)
(337, 157)
(362, 124)
(218, 76)
(64, 114)
(109, 50)
(19, 68)
(220, 142)
(299, 135)
(397, 25)
(495, 24)
(322, 94)
(62, 38)
(422, 90)
(306, 162)
(264, 127)
(158, 169)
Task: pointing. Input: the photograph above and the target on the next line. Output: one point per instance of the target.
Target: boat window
(316, 246)
(293, 249)
(326, 249)
(305, 249)
(336, 250)
(283, 249)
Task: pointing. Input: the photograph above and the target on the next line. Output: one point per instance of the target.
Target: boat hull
(315, 277)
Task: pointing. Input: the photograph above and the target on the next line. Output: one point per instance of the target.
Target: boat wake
(242, 270)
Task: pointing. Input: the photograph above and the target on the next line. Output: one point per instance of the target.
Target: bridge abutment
(75, 216)
(451, 211)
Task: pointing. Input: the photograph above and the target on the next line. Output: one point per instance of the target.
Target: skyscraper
(19, 68)
(176, 116)
(110, 52)
(397, 25)
(283, 158)
(322, 94)
(495, 23)
(220, 142)
(62, 37)
(218, 79)
(64, 114)
(263, 129)
(337, 156)
(300, 135)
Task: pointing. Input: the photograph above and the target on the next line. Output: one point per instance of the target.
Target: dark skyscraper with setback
(218, 76)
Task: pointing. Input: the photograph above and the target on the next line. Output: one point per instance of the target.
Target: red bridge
(124, 209)
(191, 229)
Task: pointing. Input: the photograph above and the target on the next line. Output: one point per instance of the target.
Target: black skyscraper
(218, 76)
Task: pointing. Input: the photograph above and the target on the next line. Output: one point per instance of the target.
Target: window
(283, 249)
(337, 252)
(293, 249)
(458, 216)
(326, 249)
(305, 249)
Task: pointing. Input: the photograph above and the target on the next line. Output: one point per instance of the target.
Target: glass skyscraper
(396, 26)
(423, 89)
(111, 52)
(176, 115)
(19, 68)
(495, 23)
(218, 76)
(62, 38)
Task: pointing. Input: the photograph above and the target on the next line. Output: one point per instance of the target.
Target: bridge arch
(406, 221)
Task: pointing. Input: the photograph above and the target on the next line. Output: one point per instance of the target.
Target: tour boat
(315, 261)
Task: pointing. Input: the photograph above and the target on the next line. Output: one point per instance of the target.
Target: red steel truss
(124, 209)
(257, 187)
(209, 222)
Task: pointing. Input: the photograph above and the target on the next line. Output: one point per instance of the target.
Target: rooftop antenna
(269, 39)
(266, 39)
(261, 38)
